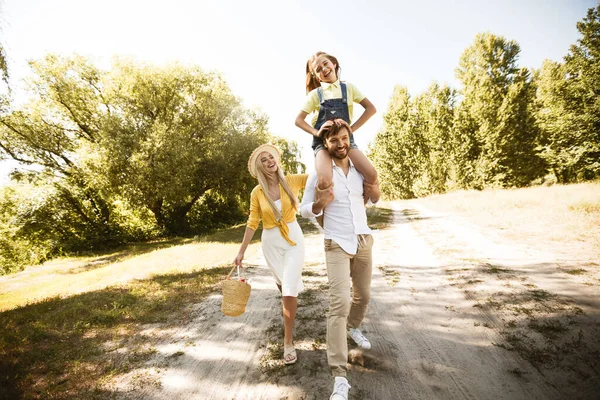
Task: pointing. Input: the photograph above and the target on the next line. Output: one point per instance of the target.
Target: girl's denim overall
(330, 109)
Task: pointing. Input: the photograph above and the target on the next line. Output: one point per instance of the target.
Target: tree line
(130, 154)
(506, 126)
(140, 152)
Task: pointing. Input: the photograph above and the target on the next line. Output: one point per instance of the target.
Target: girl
(329, 98)
(275, 201)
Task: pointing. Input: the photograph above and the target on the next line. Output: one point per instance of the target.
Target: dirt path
(435, 333)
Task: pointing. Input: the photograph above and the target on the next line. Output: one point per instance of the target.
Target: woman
(275, 201)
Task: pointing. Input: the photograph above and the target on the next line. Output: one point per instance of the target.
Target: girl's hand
(324, 127)
(238, 259)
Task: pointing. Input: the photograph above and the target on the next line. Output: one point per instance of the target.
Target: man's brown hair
(335, 128)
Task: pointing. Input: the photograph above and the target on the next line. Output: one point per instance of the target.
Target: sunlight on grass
(586, 207)
(73, 275)
(61, 346)
(553, 215)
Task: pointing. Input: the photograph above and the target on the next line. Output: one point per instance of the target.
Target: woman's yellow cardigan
(260, 207)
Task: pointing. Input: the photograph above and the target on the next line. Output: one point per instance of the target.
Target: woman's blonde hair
(262, 181)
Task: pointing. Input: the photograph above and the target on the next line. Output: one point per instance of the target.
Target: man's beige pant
(342, 269)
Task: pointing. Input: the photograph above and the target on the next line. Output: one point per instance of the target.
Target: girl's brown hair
(312, 82)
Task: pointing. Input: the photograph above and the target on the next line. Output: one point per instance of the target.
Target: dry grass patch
(75, 275)
(379, 217)
(391, 275)
(541, 216)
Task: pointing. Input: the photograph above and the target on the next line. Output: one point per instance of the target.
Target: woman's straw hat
(269, 148)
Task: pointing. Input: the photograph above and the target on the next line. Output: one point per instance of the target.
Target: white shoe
(340, 389)
(360, 339)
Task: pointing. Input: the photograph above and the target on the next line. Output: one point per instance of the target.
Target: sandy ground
(456, 313)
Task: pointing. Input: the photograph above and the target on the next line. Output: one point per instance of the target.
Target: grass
(540, 295)
(492, 269)
(391, 275)
(576, 271)
(59, 345)
(74, 275)
(549, 328)
(56, 319)
(379, 217)
(553, 215)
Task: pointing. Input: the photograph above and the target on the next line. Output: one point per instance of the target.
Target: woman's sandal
(289, 355)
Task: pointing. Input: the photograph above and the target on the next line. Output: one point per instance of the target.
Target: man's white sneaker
(340, 389)
(360, 339)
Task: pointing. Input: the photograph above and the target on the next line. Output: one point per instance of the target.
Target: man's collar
(335, 165)
(332, 85)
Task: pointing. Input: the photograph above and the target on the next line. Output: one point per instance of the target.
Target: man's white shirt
(345, 217)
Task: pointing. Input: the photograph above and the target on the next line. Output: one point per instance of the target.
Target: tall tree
(494, 91)
(159, 138)
(49, 131)
(178, 132)
(3, 63)
(398, 149)
(568, 106)
(413, 150)
(435, 108)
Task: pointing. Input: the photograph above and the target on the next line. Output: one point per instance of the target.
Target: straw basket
(235, 295)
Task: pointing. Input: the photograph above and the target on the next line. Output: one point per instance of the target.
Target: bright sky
(261, 46)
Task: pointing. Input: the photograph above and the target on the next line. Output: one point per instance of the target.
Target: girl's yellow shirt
(261, 209)
(331, 91)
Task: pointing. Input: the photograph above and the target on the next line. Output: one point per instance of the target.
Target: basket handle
(231, 272)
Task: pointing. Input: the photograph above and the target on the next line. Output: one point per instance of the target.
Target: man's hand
(322, 198)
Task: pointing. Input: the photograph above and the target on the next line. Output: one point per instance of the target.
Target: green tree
(398, 149)
(16, 251)
(499, 132)
(568, 106)
(117, 146)
(412, 152)
(176, 133)
(49, 131)
(435, 108)
(466, 149)
(3, 64)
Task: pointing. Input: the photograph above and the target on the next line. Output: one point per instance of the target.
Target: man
(348, 245)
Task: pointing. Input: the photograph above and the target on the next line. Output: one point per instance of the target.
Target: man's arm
(314, 200)
(308, 199)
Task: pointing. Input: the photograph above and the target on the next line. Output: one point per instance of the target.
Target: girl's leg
(290, 305)
(364, 166)
(324, 170)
